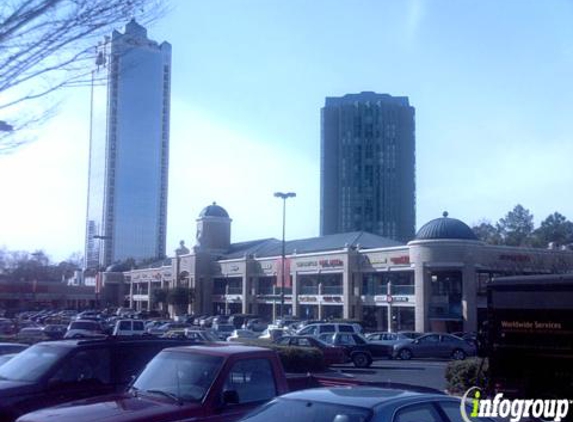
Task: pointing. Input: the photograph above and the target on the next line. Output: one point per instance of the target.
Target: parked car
(223, 330)
(256, 324)
(274, 333)
(31, 335)
(239, 319)
(54, 372)
(205, 336)
(129, 327)
(218, 383)
(332, 354)
(162, 329)
(6, 357)
(239, 335)
(361, 352)
(331, 327)
(388, 339)
(434, 345)
(84, 328)
(360, 404)
(411, 334)
(8, 348)
(471, 337)
(55, 331)
(7, 327)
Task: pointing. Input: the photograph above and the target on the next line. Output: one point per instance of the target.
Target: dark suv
(50, 373)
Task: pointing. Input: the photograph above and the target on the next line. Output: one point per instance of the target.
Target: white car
(241, 334)
(84, 328)
(129, 327)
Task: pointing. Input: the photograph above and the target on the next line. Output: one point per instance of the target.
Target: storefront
(434, 283)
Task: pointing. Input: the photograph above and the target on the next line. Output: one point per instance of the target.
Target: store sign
(400, 260)
(375, 260)
(332, 299)
(515, 257)
(391, 299)
(328, 263)
(267, 266)
(306, 264)
(307, 299)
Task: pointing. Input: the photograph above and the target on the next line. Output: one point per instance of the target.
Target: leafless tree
(46, 45)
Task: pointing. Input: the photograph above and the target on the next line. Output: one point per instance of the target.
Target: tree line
(518, 229)
(30, 266)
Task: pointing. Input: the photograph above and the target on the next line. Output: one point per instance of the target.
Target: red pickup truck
(211, 383)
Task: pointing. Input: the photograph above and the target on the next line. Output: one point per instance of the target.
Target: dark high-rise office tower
(367, 180)
(129, 149)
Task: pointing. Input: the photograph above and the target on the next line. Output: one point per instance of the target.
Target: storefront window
(377, 283)
(446, 299)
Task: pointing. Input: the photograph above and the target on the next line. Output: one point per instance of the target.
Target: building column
(319, 304)
(356, 293)
(245, 284)
(347, 288)
(294, 301)
(149, 289)
(131, 293)
(253, 293)
(469, 298)
(423, 292)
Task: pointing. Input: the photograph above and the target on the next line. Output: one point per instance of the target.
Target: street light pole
(284, 197)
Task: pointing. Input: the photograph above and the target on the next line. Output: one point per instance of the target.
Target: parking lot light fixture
(284, 196)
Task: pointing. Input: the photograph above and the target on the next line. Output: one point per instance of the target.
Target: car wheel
(405, 354)
(361, 360)
(458, 354)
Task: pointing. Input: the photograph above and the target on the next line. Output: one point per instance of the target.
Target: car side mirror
(416, 342)
(230, 397)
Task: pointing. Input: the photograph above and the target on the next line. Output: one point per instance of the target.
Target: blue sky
(491, 83)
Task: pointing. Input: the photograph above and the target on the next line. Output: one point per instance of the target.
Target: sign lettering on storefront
(332, 299)
(327, 263)
(375, 260)
(400, 260)
(306, 264)
(307, 299)
(515, 258)
(391, 299)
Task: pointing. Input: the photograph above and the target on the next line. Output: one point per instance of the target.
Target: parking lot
(421, 372)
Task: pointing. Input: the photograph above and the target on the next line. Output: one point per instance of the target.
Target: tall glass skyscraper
(129, 149)
(368, 166)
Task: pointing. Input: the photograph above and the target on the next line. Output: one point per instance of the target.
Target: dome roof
(214, 210)
(445, 228)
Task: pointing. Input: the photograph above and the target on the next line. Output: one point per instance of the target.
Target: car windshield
(32, 364)
(182, 375)
(307, 410)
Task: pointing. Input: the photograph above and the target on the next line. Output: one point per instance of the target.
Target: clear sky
(491, 81)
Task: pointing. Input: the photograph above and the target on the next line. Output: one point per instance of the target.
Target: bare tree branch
(46, 45)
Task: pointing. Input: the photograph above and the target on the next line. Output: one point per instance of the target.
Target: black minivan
(50, 373)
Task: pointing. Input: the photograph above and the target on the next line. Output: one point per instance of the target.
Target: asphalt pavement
(415, 372)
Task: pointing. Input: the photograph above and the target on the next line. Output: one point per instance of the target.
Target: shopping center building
(436, 282)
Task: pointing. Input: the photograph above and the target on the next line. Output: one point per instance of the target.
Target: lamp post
(284, 197)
